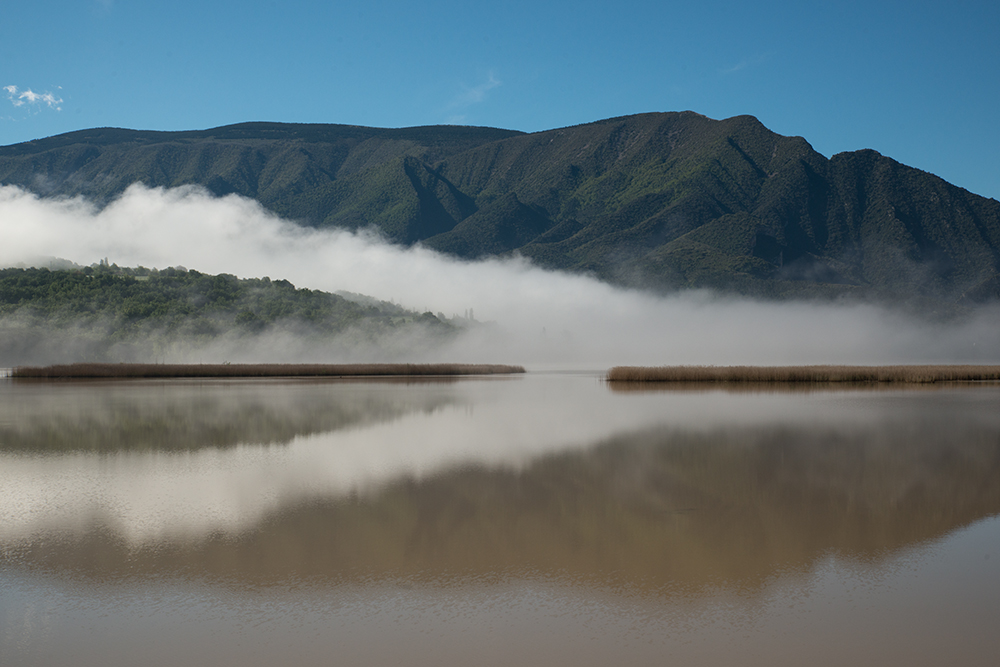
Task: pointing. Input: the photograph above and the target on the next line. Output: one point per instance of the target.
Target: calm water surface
(536, 520)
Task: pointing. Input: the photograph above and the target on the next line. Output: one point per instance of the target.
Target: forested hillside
(664, 201)
(115, 313)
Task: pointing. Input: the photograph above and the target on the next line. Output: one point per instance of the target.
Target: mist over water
(542, 318)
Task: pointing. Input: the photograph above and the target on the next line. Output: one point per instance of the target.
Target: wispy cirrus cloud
(746, 64)
(735, 68)
(29, 98)
(469, 97)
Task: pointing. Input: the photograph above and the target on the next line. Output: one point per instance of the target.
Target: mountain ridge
(656, 200)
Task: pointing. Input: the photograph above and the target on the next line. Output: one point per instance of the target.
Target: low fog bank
(26, 342)
(538, 318)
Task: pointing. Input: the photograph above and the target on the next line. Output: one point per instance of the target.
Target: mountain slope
(661, 200)
(304, 172)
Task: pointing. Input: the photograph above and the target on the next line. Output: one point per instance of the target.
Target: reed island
(102, 370)
(806, 374)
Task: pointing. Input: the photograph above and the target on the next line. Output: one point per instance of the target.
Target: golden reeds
(859, 374)
(96, 370)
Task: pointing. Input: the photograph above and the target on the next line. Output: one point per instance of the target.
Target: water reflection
(361, 480)
(167, 460)
(126, 416)
(482, 495)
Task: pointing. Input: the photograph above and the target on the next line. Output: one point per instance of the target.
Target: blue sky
(917, 81)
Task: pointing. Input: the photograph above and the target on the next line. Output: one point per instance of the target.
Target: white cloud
(548, 317)
(20, 98)
(747, 63)
(735, 68)
(474, 95)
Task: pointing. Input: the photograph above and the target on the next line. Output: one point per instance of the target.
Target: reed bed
(804, 374)
(90, 371)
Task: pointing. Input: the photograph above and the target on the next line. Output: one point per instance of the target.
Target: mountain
(658, 200)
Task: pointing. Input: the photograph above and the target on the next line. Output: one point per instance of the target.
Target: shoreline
(105, 371)
(905, 374)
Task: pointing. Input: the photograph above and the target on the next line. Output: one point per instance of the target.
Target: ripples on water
(538, 520)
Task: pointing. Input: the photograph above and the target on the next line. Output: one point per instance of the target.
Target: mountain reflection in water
(654, 495)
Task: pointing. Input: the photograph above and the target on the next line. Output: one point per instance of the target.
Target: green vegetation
(124, 314)
(662, 201)
(125, 301)
(807, 374)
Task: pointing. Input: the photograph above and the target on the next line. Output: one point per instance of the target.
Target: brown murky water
(539, 520)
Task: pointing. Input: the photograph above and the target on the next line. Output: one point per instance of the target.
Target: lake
(544, 519)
